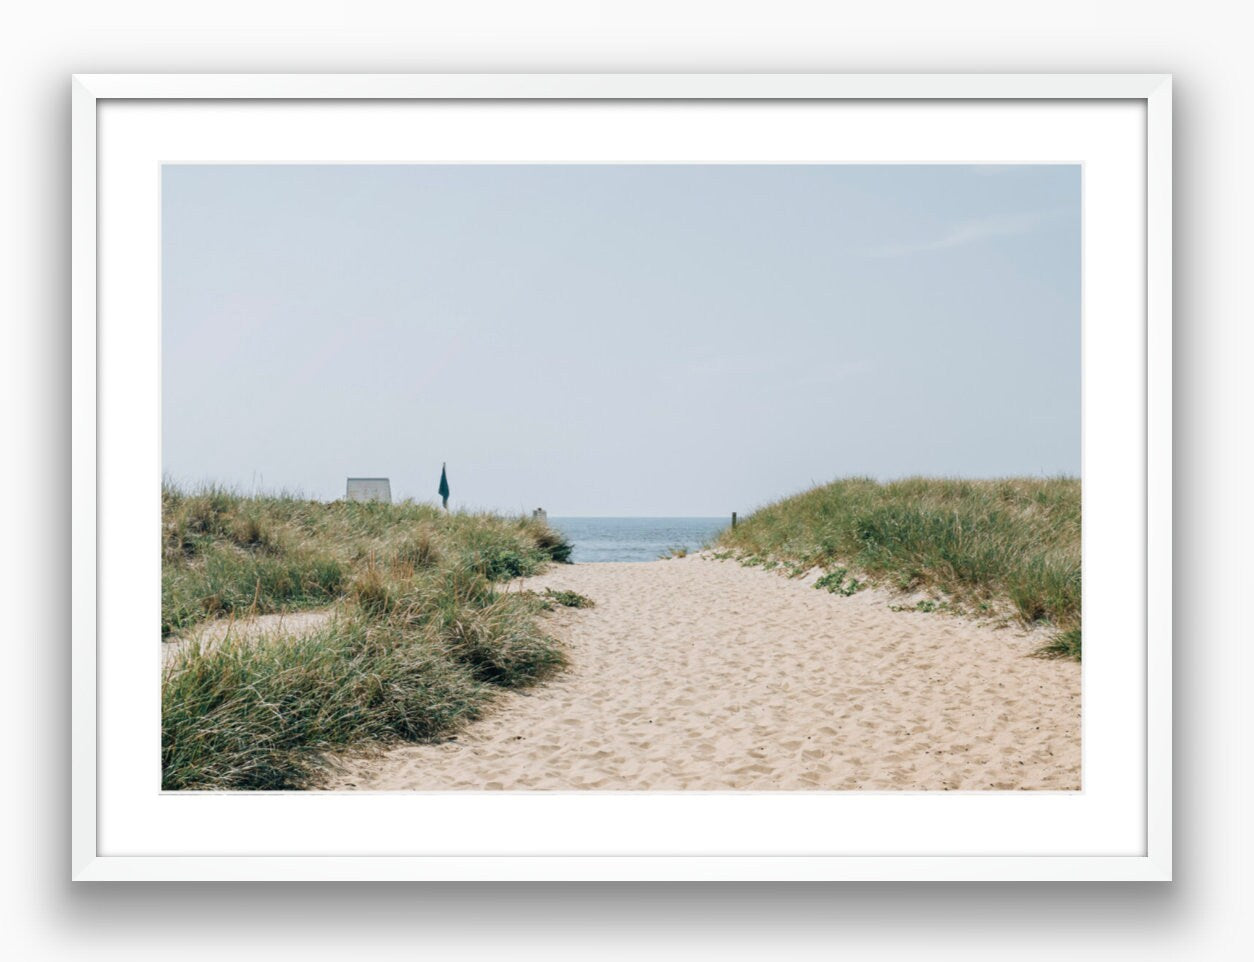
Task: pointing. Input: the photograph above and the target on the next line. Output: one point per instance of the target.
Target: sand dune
(698, 674)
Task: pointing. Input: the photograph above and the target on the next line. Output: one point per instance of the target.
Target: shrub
(569, 599)
(553, 544)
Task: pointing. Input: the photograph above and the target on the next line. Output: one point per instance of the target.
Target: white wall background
(1196, 917)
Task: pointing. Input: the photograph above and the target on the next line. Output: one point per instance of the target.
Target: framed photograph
(622, 477)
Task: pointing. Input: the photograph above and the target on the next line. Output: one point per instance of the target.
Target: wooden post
(733, 519)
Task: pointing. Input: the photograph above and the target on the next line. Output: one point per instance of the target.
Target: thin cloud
(996, 170)
(972, 232)
(740, 366)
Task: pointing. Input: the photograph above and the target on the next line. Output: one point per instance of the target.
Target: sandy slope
(271, 628)
(699, 674)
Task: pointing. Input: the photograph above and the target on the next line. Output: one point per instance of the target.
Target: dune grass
(224, 554)
(1012, 541)
(421, 641)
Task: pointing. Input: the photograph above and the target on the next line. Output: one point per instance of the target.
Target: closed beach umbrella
(444, 485)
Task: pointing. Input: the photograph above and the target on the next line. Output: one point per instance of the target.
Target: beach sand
(692, 673)
(270, 629)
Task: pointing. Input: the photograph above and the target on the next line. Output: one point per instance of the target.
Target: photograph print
(648, 477)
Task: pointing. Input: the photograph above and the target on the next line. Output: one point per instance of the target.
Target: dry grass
(1010, 541)
(225, 554)
(423, 641)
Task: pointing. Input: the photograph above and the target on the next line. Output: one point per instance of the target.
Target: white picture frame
(1145, 384)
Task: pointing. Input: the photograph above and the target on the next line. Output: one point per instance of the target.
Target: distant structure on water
(369, 489)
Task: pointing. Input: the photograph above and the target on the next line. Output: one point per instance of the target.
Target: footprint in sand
(737, 678)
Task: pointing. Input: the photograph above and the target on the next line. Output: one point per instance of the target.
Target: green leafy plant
(569, 599)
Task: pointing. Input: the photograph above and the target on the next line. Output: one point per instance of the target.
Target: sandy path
(698, 674)
(288, 624)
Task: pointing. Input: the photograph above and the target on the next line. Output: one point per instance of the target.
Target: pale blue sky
(618, 340)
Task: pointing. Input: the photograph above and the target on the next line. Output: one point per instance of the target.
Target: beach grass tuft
(569, 599)
(1012, 540)
(420, 642)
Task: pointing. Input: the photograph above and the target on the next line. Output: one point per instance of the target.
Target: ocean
(634, 539)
